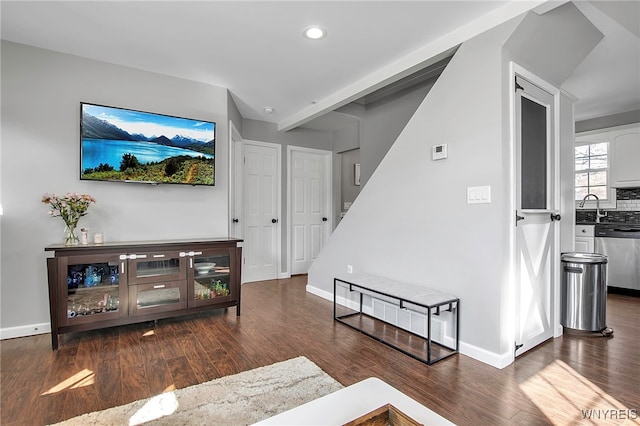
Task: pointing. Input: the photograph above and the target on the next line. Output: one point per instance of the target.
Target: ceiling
(256, 49)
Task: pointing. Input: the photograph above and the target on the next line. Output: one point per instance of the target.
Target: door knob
(555, 216)
(274, 220)
(235, 220)
(324, 219)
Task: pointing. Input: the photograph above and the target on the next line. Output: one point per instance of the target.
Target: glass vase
(70, 236)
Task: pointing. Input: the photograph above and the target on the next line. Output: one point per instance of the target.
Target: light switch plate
(479, 194)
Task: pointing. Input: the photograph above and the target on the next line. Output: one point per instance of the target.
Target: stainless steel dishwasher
(621, 244)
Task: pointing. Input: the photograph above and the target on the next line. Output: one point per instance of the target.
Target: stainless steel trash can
(584, 291)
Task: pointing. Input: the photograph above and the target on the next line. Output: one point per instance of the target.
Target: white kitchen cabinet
(625, 156)
(585, 242)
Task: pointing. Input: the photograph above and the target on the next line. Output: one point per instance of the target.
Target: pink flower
(71, 207)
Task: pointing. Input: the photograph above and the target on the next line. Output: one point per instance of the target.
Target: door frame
(239, 173)
(327, 156)
(517, 70)
(236, 152)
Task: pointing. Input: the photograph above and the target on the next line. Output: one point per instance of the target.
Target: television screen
(124, 145)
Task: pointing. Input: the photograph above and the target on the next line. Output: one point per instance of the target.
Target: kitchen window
(592, 173)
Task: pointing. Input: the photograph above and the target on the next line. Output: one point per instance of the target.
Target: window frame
(588, 138)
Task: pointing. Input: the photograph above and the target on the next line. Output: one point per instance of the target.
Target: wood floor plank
(280, 320)
(182, 372)
(108, 382)
(202, 366)
(158, 376)
(134, 383)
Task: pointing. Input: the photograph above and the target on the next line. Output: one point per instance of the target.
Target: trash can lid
(584, 258)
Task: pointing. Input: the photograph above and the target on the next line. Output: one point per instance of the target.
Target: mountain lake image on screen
(123, 145)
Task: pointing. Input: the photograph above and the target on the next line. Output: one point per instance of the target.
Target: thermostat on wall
(439, 152)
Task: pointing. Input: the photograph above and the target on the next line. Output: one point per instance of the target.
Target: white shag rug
(239, 399)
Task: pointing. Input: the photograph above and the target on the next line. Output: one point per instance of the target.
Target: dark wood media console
(105, 285)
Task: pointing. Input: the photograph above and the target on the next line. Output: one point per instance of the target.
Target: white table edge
(353, 401)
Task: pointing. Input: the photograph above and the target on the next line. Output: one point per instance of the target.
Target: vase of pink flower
(71, 207)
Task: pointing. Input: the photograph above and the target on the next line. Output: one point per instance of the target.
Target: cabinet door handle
(137, 256)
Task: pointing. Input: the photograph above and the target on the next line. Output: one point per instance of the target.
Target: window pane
(580, 193)
(598, 162)
(599, 148)
(597, 178)
(582, 151)
(582, 179)
(592, 172)
(533, 166)
(582, 163)
(600, 191)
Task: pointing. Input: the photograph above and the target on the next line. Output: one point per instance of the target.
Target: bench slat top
(409, 292)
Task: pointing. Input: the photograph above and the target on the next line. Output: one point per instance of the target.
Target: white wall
(411, 221)
(41, 95)
(614, 120)
(381, 124)
(349, 190)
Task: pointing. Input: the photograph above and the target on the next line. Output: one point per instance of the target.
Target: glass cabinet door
(156, 267)
(95, 289)
(210, 278)
(158, 297)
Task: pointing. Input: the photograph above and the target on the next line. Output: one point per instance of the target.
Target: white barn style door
(537, 185)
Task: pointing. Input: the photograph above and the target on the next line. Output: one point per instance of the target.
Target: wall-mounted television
(124, 145)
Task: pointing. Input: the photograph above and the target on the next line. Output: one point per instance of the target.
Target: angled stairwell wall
(411, 222)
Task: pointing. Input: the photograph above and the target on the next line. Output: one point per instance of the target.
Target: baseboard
(329, 296)
(491, 358)
(25, 330)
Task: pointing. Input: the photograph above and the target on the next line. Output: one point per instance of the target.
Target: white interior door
(261, 179)
(309, 194)
(536, 256)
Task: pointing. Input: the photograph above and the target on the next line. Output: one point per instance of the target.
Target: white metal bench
(405, 296)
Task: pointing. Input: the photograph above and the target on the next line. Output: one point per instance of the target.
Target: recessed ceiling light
(269, 110)
(314, 32)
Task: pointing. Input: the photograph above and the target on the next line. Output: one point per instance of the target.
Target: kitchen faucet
(598, 214)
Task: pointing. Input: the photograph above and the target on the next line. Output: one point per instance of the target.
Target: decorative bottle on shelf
(84, 236)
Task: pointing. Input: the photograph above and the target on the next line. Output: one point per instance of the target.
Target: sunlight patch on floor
(159, 406)
(85, 377)
(564, 396)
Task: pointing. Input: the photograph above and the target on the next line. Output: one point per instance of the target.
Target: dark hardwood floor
(555, 383)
